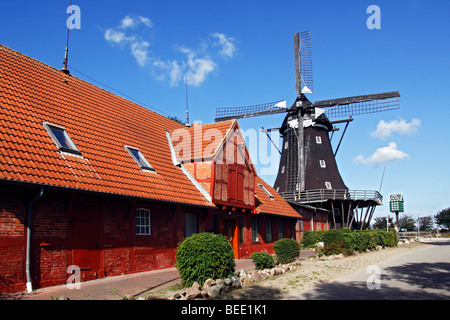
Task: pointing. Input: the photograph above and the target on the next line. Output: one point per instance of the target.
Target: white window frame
(142, 161)
(328, 185)
(318, 140)
(322, 164)
(266, 191)
(143, 221)
(71, 147)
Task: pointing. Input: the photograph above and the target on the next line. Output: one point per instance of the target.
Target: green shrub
(333, 242)
(310, 238)
(348, 246)
(287, 250)
(204, 256)
(262, 260)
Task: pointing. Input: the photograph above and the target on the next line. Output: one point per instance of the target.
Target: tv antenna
(66, 54)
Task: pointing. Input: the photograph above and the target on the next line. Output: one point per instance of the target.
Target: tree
(380, 223)
(442, 218)
(407, 222)
(426, 223)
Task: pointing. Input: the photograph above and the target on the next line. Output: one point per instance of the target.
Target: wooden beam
(334, 217)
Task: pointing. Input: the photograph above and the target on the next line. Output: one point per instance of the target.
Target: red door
(230, 232)
(85, 235)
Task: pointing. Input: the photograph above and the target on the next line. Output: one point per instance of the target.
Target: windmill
(308, 173)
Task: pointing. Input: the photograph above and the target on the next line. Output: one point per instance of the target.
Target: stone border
(214, 288)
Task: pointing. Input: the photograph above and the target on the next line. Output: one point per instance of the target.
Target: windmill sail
(223, 114)
(358, 105)
(303, 63)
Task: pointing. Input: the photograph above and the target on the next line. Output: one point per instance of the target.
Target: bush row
(210, 256)
(286, 251)
(346, 241)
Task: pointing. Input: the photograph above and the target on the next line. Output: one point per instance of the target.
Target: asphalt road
(423, 274)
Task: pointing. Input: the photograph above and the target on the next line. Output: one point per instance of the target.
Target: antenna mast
(66, 54)
(187, 107)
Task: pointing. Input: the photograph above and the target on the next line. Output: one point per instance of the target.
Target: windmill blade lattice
(360, 105)
(223, 114)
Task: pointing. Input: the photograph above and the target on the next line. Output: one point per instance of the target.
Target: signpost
(396, 206)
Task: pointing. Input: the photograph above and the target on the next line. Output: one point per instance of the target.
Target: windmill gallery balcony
(323, 195)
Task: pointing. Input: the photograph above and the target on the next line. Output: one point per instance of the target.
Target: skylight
(265, 190)
(61, 138)
(139, 158)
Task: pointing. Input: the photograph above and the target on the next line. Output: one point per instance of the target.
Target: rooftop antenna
(66, 54)
(187, 107)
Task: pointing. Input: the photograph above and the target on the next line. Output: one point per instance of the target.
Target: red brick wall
(12, 239)
(120, 249)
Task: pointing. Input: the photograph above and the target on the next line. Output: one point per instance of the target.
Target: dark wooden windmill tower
(308, 172)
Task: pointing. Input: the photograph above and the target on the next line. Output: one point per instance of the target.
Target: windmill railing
(318, 195)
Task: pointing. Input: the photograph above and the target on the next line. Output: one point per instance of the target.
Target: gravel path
(314, 272)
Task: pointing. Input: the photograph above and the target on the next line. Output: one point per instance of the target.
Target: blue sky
(238, 53)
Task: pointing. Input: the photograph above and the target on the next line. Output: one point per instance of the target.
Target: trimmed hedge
(346, 241)
(287, 250)
(203, 256)
(310, 238)
(262, 260)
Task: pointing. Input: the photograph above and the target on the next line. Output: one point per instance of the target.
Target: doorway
(85, 238)
(230, 231)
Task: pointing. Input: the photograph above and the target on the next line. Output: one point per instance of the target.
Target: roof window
(139, 158)
(61, 138)
(265, 190)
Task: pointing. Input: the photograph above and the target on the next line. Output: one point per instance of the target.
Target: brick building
(90, 179)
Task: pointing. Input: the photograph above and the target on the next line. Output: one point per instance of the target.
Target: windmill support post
(363, 222)
(334, 216)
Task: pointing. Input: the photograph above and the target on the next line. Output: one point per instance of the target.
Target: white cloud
(115, 36)
(383, 155)
(228, 47)
(131, 21)
(385, 129)
(140, 52)
(196, 64)
(167, 69)
(197, 68)
(121, 36)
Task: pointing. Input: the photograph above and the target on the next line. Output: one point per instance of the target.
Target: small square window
(328, 185)
(139, 158)
(61, 138)
(322, 164)
(143, 222)
(318, 140)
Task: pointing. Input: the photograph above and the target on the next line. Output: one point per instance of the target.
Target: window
(280, 230)
(318, 140)
(328, 185)
(269, 237)
(283, 168)
(266, 191)
(190, 224)
(322, 164)
(216, 224)
(142, 222)
(139, 158)
(286, 144)
(61, 138)
(255, 231)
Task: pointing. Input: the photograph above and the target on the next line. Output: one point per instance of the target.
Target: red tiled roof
(277, 205)
(99, 123)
